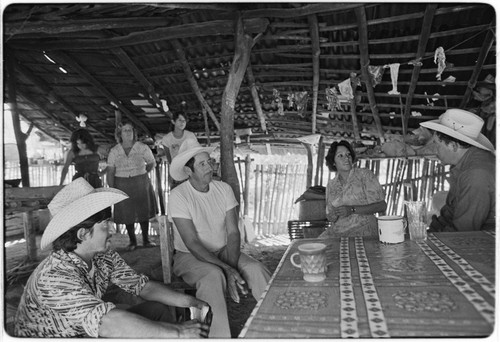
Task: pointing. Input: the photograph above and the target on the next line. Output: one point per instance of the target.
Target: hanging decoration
(440, 60)
(376, 72)
(332, 98)
(345, 88)
(278, 101)
(81, 118)
(394, 78)
(291, 100)
(301, 98)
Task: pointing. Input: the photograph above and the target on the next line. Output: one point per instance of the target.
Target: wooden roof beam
(57, 27)
(192, 82)
(45, 88)
(203, 29)
(104, 91)
(483, 53)
(134, 70)
(316, 51)
(430, 10)
(46, 112)
(299, 11)
(365, 61)
(256, 99)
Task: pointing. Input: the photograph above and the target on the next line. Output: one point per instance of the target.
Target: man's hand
(235, 282)
(342, 211)
(193, 329)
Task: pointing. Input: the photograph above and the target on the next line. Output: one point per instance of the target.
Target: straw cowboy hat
(75, 203)
(462, 125)
(187, 150)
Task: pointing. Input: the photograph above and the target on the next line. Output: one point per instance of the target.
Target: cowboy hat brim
(177, 167)
(482, 142)
(78, 211)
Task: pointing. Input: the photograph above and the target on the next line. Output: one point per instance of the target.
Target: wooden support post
(321, 162)
(354, 117)
(20, 136)
(243, 46)
(316, 51)
(309, 165)
(430, 10)
(365, 61)
(30, 236)
(246, 191)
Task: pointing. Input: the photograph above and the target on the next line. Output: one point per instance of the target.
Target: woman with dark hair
(128, 165)
(173, 140)
(353, 196)
(83, 154)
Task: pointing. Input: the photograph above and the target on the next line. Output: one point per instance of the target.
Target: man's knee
(214, 277)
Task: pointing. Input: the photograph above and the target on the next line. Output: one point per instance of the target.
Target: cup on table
(391, 229)
(312, 261)
(416, 212)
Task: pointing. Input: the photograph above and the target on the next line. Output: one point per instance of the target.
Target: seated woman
(352, 197)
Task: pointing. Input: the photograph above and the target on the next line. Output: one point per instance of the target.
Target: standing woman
(173, 140)
(353, 196)
(83, 154)
(128, 165)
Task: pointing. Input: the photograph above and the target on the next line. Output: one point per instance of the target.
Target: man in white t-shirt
(207, 238)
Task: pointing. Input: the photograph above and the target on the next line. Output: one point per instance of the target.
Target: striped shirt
(62, 297)
(133, 164)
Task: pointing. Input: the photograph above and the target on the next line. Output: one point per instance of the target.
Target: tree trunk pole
(243, 46)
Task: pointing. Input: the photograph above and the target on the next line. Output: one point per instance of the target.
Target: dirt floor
(148, 261)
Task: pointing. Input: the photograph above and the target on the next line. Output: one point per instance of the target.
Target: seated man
(62, 297)
(470, 204)
(206, 236)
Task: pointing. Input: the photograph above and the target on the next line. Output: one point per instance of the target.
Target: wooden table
(442, 287)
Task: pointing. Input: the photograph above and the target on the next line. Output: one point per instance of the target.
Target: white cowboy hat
(187, 150)
(75, 203)
(462, 125)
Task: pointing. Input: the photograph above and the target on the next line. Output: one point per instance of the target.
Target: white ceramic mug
(312, 261)
(391, 229)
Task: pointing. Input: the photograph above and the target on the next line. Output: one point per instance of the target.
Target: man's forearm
(158, 292)
(123, 324)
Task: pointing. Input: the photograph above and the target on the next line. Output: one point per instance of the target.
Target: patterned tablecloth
(442, 287)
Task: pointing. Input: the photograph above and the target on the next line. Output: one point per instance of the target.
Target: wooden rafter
(256, 100)
(430, 11)
(58, 27)
(217, 27)
(134, 70)
(192, 82)
(45, 88)
(92, 80)
(313, 28)
(365, 61)
(298, 12)
(485, 49)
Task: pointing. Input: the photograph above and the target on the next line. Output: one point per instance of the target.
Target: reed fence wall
(273, 188)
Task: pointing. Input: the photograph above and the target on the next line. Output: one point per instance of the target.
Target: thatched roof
(87, 59)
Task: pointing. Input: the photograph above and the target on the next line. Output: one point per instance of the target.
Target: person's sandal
(131, 248)
(149, 244)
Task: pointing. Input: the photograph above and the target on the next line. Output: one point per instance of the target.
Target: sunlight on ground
(276, 240)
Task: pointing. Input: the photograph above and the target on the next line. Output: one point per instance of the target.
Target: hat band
(468, 131)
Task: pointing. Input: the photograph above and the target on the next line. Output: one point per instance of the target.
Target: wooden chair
(167, 252)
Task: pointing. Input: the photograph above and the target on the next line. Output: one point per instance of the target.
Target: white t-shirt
(207, 210)
(173, 144)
